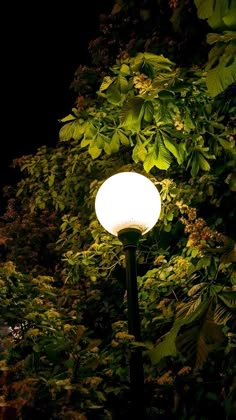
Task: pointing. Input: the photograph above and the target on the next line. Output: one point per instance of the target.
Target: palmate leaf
(107, 81)
(114, 88)
(227, 145)
(205, 8)
(115, 93)
(196, 340)
(203, 163)
(159, 156)
(66, 132)
(139, 152)
(164, 157)
(219, 13)
(167, 347)
(227, 36)
(229, 299)
(198, 162)
(173, 148)
(148, 111)
(221, 68)
(157, 62)
(131, 114)
(68, 118)
(188, 308)
(72, 130)
(196, 288)
(150, 64)
(229, 17)
(78, 129)
(162, 114)
(123, 138)
(122, 84)
(220, 9)
(222, 314)
(113, 145)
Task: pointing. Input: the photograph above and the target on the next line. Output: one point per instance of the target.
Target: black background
(43, 46)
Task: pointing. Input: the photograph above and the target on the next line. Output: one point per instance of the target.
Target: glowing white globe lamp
(128, 200)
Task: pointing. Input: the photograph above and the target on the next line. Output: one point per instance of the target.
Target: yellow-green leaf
(107, 81)
(139, 153)
(115, 142)
(78, 130)
(94, 151)
(204, 165)
(66, 132)
(123, 138)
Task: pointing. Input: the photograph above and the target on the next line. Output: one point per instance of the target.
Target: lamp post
(128, 205)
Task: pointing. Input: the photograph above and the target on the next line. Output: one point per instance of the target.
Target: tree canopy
(144, 105)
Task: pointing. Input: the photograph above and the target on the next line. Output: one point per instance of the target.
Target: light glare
(127, 200)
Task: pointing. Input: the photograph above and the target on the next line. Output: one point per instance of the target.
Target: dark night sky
(44, 46)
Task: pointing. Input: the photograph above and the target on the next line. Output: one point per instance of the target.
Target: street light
(128, 205)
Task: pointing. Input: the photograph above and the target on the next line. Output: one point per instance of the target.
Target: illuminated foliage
(62, 276)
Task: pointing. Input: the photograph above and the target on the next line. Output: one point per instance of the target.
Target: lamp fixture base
(129, 237)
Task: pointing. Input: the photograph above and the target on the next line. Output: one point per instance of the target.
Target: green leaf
(222, 314)
(229, 299)
(123, 138)
(66, 132)
(221, 68)
(90, 132)
(107, 81)
(195, 165)
(188, 123)
(124, 70)
(163, 156)
(115, 142)
(203, 164)
(131, 114)
(139, 153)
(227, 145)
(36, 348)
(166, 95)
(100, 140)
(205, 8)
(51, 179)
(78, 129)
(198, 339)
(157, 62)
(150, 160)
(85, 142)
(150, 64)
(94, 151)
(229, 17)
(173, 148)
(219, 13)
(166, 347)
(68, 118)
(227, 36)
(195, 289)
(219, 9)
(113, 94)
(115, 88)
(148, 111)
(159, 156)
(122, 84)
(137, 62)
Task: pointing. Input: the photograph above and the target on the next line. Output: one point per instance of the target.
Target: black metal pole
(130, 238)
